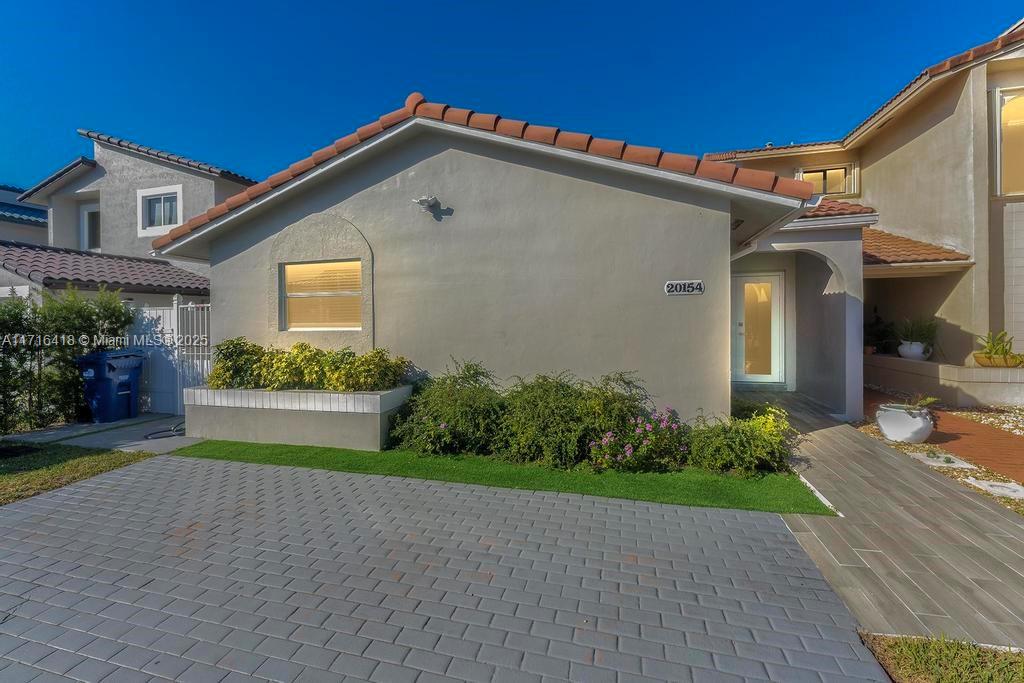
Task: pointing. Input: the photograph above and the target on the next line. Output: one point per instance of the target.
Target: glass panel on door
(757, 328)
(757, 341)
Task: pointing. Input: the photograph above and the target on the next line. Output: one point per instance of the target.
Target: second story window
(1011, 141)
(835, 180)
(159, 210)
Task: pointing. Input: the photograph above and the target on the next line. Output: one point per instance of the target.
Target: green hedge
(39, 342)
(242, 364)
(608, 424)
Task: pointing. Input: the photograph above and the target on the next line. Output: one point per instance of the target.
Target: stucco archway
(841, 250)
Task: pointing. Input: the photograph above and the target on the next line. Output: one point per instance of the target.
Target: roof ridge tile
(416, 105)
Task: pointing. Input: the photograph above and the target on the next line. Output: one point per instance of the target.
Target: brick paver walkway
(199, 570)
(979, 443)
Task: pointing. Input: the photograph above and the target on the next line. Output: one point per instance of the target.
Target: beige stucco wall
(535, 265)
(927, 173)
(19, 232)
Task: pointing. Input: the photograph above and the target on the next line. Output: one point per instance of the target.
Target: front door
(757, 328)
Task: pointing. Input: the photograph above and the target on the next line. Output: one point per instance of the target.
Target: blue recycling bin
(111, 383)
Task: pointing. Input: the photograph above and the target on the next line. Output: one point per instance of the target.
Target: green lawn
(771, 493)
(51, 466)
(939, 660)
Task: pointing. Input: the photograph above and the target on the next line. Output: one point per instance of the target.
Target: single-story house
(29, 269)
(439, 232)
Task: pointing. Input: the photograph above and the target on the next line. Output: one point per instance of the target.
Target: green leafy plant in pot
(910, 422)
(997, 351)
(917, 338)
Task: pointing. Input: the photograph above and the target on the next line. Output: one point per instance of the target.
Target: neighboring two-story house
(98, 216)
(21, 221)
(127, 195)
(942, 165)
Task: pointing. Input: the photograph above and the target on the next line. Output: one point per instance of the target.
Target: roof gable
(416, 107)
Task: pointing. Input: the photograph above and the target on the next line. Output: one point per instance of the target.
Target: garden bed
(359, 419)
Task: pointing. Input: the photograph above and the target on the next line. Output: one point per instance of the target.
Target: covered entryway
(798, 311)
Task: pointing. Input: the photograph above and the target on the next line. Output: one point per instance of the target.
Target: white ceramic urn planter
(905, 424)
(913, 350)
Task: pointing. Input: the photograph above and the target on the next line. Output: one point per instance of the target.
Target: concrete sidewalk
(124, 435)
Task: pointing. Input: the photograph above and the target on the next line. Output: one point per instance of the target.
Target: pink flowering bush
(657, 442)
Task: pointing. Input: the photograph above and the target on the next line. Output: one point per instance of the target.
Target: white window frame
(852, 177)
(997, 138)
(283, 296)
(83, 226)
(143, 195)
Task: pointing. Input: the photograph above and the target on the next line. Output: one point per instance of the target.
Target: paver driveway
(199, 570)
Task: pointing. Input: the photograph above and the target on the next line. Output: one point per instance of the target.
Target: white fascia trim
(692, 182)
(832, 222)
(921, 269)
(142, 195)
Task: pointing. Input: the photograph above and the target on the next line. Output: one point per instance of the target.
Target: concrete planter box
(954, 385)
(304, 418)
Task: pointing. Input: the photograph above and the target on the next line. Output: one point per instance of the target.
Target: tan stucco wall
(542, 265)
(927, 173)
(19, 232)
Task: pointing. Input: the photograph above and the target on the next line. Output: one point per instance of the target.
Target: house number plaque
(683, 287)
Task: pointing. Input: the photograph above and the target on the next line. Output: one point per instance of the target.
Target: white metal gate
(176, 342)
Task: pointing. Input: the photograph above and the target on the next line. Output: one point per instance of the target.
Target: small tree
(40, 382)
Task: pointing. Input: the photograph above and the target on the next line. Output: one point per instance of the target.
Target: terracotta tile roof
(732, 154)
(50, 266)
(884, 248)
(166, 156)
(417, 106)
(828, 208)
(1009, 39)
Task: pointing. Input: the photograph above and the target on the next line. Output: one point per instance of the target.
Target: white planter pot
(903, 424)
(914, 350)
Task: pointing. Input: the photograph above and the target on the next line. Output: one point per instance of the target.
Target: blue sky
(254, 86)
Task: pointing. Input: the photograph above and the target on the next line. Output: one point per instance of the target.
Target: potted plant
(879, 335)
(917, 338)
(910, 422)
(997, 351)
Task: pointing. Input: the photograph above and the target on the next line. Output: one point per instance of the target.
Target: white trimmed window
(327, 295)
(1010, 147)
(838, 179)
(159, 209)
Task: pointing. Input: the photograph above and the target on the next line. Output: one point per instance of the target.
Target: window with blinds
(323, 296)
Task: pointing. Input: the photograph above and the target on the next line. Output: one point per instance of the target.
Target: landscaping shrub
(40, 383)
(372, 371)
(457, 412)
(234, 364)
(760, 443)
(653, 443)
(553, 418)
(300, 367)
(743, 408)
(242, 364)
